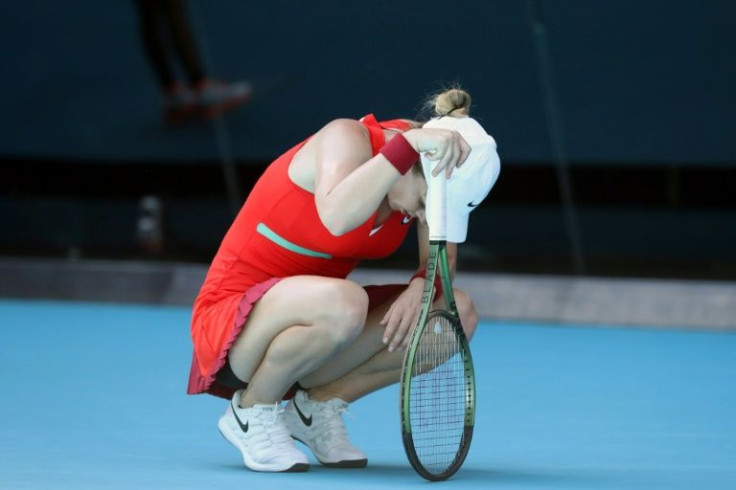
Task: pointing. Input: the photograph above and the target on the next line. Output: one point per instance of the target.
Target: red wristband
(437, 281)
(399, 153)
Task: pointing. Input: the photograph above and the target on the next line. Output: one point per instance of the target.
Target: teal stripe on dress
(283, 242)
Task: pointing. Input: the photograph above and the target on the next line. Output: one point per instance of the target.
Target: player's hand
(402, 315)
(446, 147)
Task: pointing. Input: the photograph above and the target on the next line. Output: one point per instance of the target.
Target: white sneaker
(319, 425)
(261, 435)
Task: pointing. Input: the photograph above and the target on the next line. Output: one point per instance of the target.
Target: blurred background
(614, 122)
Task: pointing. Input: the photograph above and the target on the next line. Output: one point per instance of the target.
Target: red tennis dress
(277, 234)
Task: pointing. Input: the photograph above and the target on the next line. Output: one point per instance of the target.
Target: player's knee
(346, 311)
(466, 310)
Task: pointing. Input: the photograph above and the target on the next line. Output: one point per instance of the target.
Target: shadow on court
(395, 475)
(401, 472)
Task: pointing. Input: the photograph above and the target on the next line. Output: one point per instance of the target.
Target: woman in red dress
(276, 317)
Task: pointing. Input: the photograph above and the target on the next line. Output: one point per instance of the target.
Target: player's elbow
(338, 215)
(335, 223)
(336, 229)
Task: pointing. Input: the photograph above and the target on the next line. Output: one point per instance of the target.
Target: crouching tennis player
(276, 319)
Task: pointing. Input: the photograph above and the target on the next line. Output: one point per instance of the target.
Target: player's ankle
(246, 401)
(320, 394)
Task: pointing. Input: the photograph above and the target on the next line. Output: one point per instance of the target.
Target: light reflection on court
(93, 397)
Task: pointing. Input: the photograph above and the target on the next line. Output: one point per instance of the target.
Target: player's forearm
(419, 279)
(424, 251)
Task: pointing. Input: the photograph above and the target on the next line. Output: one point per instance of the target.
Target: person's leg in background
(213, 97)
(166, 32)
(177, 99)
(154, 44)
(182, 36)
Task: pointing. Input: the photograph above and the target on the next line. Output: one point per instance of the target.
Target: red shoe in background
(214, 98)
(180, 104)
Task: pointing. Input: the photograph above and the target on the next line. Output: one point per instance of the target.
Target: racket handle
(437, 207)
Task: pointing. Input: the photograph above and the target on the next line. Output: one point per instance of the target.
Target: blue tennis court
(94, 398)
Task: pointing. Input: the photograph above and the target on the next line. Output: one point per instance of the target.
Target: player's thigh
(329, 303)
(380, 300)
(382, 297)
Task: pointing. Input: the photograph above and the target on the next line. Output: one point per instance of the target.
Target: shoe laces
(269, 414)
(275, 432)
(333, 425)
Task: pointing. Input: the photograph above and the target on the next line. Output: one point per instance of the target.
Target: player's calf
(466, 310)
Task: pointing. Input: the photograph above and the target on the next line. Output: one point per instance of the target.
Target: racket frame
(437, 256)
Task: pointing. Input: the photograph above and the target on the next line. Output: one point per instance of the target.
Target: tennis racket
(437, 389)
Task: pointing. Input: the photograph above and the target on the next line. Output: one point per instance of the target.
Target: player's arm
(350, 183)
(403, 314)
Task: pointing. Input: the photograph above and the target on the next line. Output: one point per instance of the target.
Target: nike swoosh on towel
(471, 204)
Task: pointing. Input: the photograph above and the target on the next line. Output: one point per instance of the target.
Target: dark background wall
(645, 91)
(638, 81)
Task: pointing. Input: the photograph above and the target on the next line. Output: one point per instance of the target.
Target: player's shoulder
(344, 135)
(345, 127)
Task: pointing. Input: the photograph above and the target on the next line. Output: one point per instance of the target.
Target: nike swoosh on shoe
(307, 420)
(244, 428)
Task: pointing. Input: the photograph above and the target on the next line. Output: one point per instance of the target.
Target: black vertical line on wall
(556, 133)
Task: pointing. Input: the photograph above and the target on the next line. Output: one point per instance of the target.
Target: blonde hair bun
(453, 102)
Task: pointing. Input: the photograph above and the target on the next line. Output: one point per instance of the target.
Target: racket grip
(437, 282)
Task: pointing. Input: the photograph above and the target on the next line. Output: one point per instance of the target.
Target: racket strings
(438, 395)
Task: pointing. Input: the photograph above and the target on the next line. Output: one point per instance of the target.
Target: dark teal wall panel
(637, 81)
